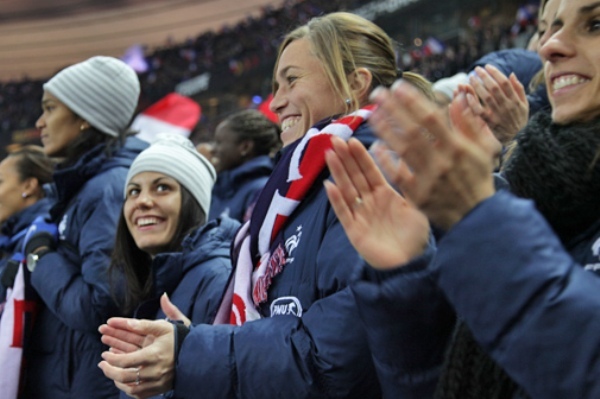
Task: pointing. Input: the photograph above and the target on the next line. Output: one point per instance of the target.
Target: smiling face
(571, 58)
(303, 94)
(11, 189)
(58, 125)
(151, 210)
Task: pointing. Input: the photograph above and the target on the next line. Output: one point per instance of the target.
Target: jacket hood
(256, 167)
(207, 242)
(68, 181)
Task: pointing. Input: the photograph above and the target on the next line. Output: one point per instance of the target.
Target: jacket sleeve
(408, 323)
(322, 354)
(526, 301)
(79, 294)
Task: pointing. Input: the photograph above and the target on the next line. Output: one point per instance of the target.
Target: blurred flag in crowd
(134, 57)
(264, 107)
(173, 113)
(433, 46)
(15, 323)
(526, 16)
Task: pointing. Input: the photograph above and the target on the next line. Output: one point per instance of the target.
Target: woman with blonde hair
(288, 322)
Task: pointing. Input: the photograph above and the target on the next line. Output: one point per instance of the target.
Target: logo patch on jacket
(62, 227)
(286, 305)
(292, 243)
(595, 267)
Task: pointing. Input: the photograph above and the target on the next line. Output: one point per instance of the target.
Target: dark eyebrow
(159, 179)
(582, 11)
(153, 182)
(590, 8)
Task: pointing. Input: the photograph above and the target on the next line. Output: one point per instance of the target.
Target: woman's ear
(360, 81)
(31, 186)
(246, 147)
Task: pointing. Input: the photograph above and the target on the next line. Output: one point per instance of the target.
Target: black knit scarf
(559, 168)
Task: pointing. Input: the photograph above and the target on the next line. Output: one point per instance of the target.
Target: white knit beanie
(102, 90)
(176, 156)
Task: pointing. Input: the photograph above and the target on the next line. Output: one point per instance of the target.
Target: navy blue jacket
(538, 317)
(63, 356)
(310, 343)
(408, 322)
(530, 305)
(236, 190)
(195, 278)
(13, 233)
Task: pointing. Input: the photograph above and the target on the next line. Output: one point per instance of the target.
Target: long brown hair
(132, 267)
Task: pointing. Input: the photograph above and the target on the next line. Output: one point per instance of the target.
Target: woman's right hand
(384, 228)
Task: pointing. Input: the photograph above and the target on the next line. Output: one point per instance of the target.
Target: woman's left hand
(145, 372)
(172, 312)
(447, 166)
(505, 107)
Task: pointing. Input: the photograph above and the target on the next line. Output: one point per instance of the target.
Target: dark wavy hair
(132, 266)
(252, 125)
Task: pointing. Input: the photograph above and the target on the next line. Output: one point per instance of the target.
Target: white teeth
(141, 222)
(567, 80)
(289, 122)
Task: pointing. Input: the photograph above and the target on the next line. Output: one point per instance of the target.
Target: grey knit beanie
(103, 91)
(176, 156)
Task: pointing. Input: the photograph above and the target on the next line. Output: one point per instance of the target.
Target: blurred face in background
(151, 210)
(303, 94)
(571, 56)
(58, 126)
(228, 151)
(12, 189)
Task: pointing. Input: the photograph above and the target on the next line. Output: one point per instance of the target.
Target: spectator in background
(245, 143)
(293, 329)
(22, 199)
(86, 110)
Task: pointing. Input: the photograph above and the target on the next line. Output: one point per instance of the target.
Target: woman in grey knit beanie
(86, 109)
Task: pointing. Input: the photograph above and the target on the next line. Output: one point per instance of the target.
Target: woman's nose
(144, 201)
(40, 123)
